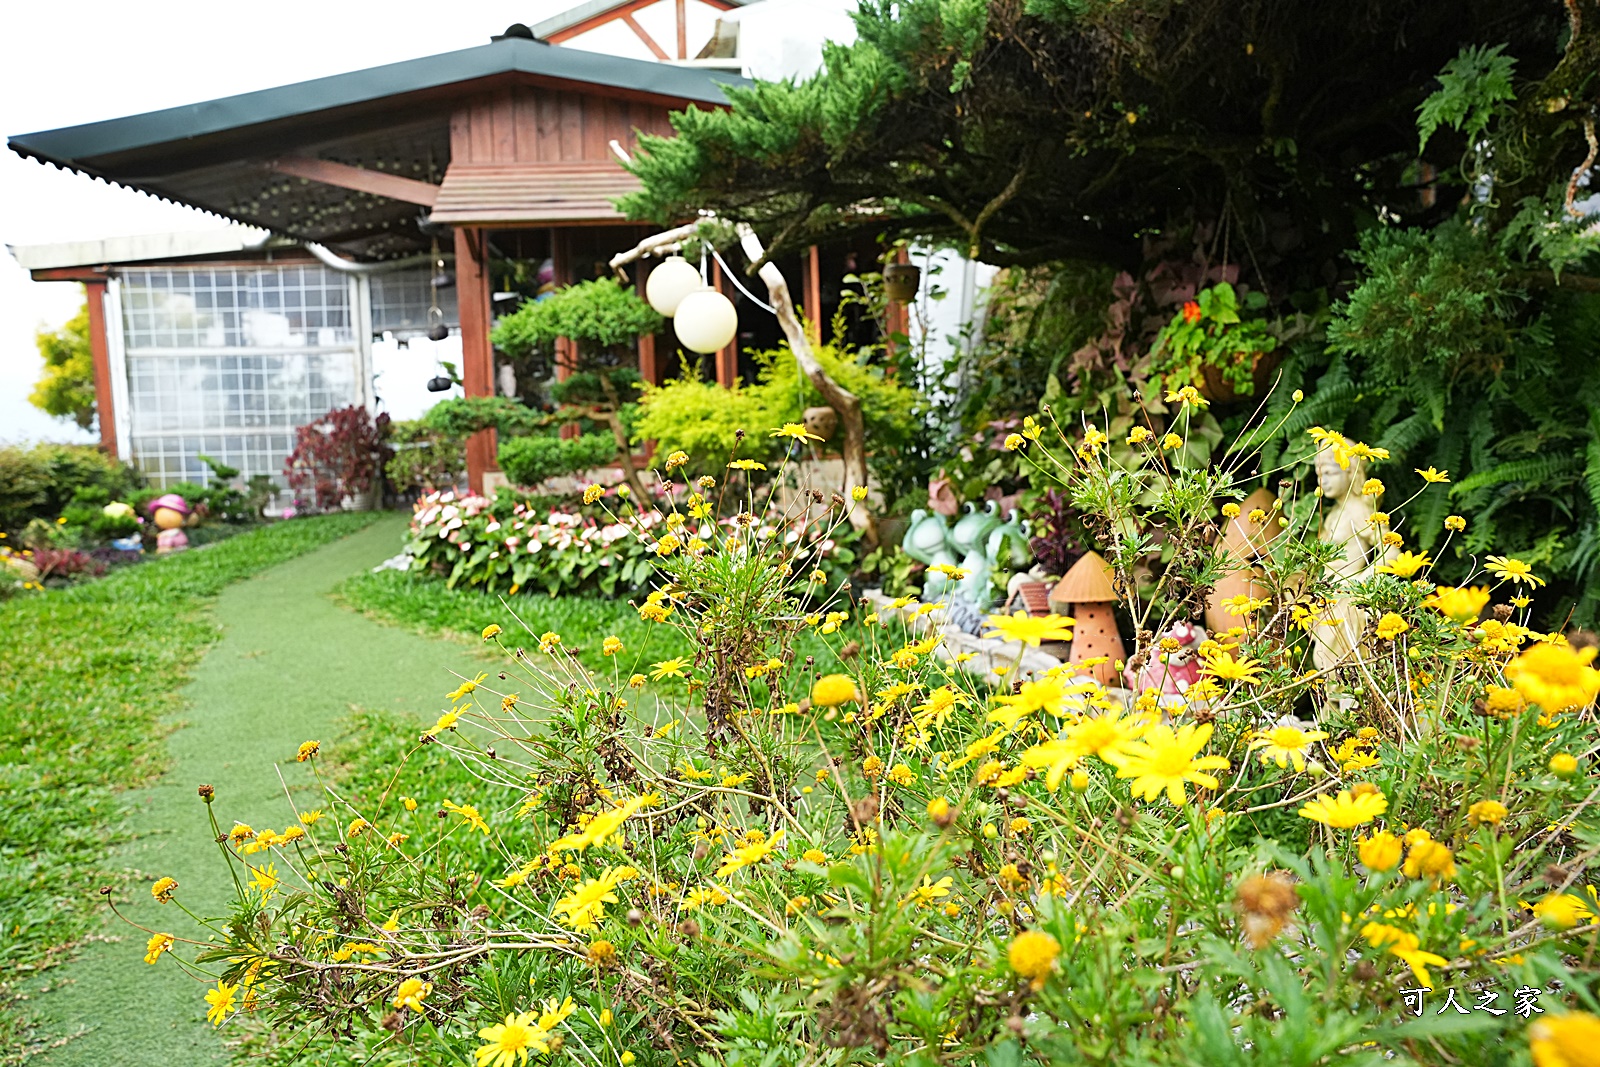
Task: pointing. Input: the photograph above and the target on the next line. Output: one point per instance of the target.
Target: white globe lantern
(706, 321)
(671, 281)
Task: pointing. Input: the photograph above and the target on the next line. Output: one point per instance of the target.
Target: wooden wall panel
(524, 124)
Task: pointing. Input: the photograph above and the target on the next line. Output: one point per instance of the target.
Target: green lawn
(87, 674)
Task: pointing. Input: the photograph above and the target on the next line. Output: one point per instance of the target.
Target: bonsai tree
(600, 320)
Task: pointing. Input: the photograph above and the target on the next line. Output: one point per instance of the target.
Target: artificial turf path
(289, 665)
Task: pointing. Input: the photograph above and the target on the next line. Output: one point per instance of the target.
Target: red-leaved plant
(338, 455)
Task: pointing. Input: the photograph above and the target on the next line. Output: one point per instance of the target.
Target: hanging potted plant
(901, 282)
(1210, 345)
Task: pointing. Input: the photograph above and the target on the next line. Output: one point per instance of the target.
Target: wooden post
(477, 355)
(649, 369)
(100, 348)
(683, 30)
(899, 315)
(727, 358)
(813, 290)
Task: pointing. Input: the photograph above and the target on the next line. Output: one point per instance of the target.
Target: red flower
(1191, 311)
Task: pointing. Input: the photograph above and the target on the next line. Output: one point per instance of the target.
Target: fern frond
(1537, 469)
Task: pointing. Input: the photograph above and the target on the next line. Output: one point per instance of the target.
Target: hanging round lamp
(706, 321)
(671, 281)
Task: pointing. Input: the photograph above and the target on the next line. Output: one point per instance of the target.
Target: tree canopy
(66, 389)
(1058, 129)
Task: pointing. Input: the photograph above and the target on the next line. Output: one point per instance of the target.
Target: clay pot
(1242, 540)
(1218, 390)
(822, 421)
(901, 281)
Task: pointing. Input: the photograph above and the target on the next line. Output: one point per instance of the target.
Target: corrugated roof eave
(71, 145)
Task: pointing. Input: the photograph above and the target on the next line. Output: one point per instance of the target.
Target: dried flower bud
(206, 793)
(635, 917)
(393, 1022)
(689, 928)
(1266, 901)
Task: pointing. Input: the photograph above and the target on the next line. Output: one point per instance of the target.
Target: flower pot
(901, 281)
(358, 501)
(1218, 390)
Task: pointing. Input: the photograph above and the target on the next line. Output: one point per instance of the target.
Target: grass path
(289, 665)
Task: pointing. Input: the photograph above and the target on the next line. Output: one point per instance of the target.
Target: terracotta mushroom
(1243, 541)
(1086, 594)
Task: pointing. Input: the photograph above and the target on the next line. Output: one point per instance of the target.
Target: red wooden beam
(683, 30)
(100, 349)
(813, 289)
(376, 182)
(477, 355)
(727, 358)
(649, 41)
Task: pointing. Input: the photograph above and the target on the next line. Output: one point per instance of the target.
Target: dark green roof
(74, 145)
(395, 118)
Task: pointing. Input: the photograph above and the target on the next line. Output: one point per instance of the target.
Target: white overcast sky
(69, 63)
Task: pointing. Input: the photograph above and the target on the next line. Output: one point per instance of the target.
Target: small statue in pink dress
(1171, 673)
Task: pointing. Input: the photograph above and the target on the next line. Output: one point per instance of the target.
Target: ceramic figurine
(1087, 596)
(1170, 673)
(936, 583)
(1347, 525)
(169, 512)
(1244, 542)
(972, 529)
(925, 537)
(171, 539)
(976, 587)
(1008, 546)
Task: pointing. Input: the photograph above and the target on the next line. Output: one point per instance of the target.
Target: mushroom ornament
(1087, 595)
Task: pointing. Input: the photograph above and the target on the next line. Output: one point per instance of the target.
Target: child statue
(1348, 525)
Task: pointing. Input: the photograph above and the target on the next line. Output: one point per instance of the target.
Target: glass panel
(400, 301)
(191, 389)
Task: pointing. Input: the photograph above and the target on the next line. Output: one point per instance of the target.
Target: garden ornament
(1087, 596)
(169, 512)
(936, 583)
(117, 509)
(1348, 525)
(705, 321)
(1008, 545)
(668, 283)
(171, 539)
(942, 497)
(972, 529)
(1170, 673)
(960, 613)
(821, 421)
(976, 587)
(1244, 541)
(925, 537)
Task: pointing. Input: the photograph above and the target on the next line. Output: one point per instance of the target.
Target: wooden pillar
(813, 291)
(649, 368)
(683, 29)
(477, 355)
(100, 348)
(727, 358)
(899, 315)
(561, 267)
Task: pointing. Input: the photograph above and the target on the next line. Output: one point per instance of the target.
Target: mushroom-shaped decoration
(1086, 595)
(169, 512)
